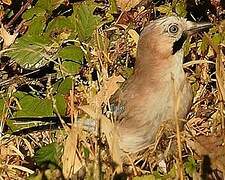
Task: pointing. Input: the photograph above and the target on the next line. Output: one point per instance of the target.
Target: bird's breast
(147, 107)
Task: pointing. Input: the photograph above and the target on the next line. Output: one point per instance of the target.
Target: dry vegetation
(64, 148)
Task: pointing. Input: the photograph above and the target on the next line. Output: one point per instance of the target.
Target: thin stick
(23, 8)
(221, 93)
(176, 104)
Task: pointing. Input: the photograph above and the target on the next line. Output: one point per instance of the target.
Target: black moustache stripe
(177, 45)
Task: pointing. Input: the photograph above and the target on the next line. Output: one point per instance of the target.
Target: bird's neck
(152, 69)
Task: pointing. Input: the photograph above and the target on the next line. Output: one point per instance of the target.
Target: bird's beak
(193, 27)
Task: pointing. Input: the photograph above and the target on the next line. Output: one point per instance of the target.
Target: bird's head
(166, 36)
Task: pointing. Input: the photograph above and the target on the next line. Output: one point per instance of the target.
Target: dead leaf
(2, 14)
(215, 3)
(134, 35)
(126, 5)
(109, 130)
(110, 86)
(71, 163)
(4, 151)
(198, 126)
(7, 37)
(106, 124)
(7, 2)
(211, 146)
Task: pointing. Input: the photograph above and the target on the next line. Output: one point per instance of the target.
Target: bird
(146, 99)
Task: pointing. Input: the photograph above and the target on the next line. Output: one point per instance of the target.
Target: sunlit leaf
(27, 56)
(64, 86)
(36, 26)
(7, 2)
(180, 8)
(190, 166)
(165, 9)
(2, 103)
(112, 7)
(126, 5)
(48, 5)
(49, 153)
(71, 67)
(24, 124)
(217, 38)
(33, 12)
(86, 21)
(61, 104)
(71, 53)
(29, 50)
(32, 106)
(147, 177)
(61, 24)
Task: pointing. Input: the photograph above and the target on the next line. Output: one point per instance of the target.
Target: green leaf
(204, 45)
(187, 46)
(37, 26)
(61, 23)
(27, 56)
(32, 12)
(32, 47)
(71, 67)
(49, 153)
(64, 86)
(217, 38)
(86, 152)
(25, 123)
(61, 104)
(2, 104)
(86, 21)
(165, 9)
(113, 7)
(48, 5)
(71, 53)
(33, 106)
(180, 8)
(190, 166)
(29, 50)
(147, 177)
(171, 174)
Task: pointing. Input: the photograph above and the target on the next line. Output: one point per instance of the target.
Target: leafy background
(61, 58)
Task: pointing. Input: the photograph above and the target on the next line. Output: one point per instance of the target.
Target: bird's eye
(173, 28)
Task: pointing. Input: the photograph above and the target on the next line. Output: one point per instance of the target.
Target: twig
(133, 166)
(176, 104)
(72, 103)
(22, 9)
(220, 86)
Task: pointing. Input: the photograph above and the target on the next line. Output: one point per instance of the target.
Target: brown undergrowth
(195, 151)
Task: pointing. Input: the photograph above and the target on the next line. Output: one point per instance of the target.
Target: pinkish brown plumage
(146, 99)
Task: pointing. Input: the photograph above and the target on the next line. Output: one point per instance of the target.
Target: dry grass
(202, 136)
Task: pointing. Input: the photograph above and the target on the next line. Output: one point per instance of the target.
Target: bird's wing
(118, 103)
